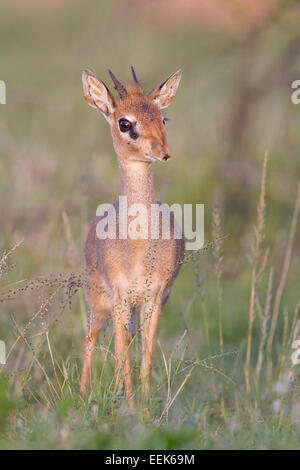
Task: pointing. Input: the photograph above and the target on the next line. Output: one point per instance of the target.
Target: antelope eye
(124, 125)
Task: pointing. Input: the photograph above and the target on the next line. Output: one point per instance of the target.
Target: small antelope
(121, 276)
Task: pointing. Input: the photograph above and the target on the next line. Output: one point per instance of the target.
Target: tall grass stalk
(265, 321)
(256, 250)
(218, 256)
(285, 270)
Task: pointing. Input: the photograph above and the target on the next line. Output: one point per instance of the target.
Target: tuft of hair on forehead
(136, 91)
(139, 103)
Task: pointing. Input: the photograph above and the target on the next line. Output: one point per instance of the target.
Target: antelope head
(136, 121)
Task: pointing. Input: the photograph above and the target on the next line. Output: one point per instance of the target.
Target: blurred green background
(57, 164)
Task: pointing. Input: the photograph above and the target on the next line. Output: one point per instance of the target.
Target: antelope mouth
(157, 159)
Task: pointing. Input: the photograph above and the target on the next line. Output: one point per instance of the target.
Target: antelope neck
(137, 182)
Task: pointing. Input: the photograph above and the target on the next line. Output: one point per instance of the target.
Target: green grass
(57, 164)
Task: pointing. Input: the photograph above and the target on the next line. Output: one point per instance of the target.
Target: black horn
(118, 85)
(134, 76)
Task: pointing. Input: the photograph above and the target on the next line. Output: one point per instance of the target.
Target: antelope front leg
(149, 327)
(89, 349)
(121, 315)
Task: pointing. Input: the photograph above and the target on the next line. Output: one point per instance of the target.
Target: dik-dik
(125, 274)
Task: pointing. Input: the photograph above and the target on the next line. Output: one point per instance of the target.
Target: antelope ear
(164, 94)
(97, 94)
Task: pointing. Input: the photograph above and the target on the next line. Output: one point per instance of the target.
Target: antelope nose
(166, 157)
